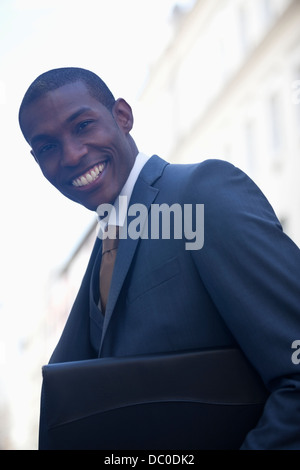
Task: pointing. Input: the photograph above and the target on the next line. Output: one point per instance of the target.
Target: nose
(73, 152)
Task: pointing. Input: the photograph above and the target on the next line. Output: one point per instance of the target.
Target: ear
(33, 154)
(122, 113)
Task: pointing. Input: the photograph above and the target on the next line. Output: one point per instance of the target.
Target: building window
(250, 143)
(276, 126)
(267, 11)
(243, 20)
(296, 95)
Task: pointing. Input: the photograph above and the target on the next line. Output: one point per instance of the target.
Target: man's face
(82, 149)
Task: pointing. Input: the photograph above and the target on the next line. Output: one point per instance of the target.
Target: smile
(89, 177)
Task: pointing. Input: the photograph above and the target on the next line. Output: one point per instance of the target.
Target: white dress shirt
(120, 206)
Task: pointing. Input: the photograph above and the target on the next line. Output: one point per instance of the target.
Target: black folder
(193, 400)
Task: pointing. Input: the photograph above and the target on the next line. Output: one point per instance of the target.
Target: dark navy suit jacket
(242, 288)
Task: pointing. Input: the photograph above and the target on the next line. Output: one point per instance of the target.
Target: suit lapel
(143, 193)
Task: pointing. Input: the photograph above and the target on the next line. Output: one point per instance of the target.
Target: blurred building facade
(228, 87)
(20, 409)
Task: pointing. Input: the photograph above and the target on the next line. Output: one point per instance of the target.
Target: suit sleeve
(251, 270)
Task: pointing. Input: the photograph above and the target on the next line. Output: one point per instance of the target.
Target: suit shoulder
(208, 177)
(206, 168)
(215, 167)
(223, 187)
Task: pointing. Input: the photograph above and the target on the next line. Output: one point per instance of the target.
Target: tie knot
(110, 238)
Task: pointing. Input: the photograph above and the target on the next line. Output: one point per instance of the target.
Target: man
(240, 288)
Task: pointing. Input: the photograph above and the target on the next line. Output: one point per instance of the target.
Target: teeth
(89, 177)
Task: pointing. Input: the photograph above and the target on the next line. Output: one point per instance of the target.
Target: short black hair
(55, 78)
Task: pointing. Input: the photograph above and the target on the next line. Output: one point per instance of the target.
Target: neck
(133, 146)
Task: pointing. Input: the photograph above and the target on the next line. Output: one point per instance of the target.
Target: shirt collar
(118, 216)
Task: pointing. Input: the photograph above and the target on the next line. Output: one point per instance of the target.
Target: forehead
(56, 107)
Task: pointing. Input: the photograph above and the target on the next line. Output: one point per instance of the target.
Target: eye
(46, 148)
(82, 125)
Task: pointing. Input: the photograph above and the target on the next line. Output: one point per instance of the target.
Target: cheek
(50, 171)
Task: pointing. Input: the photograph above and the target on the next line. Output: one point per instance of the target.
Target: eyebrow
(77, 113)
(38, 137)
(70, 119)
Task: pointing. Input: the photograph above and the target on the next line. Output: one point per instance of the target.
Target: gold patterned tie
(109, 253)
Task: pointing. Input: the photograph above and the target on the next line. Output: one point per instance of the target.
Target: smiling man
(239, 288)
(82, 146)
